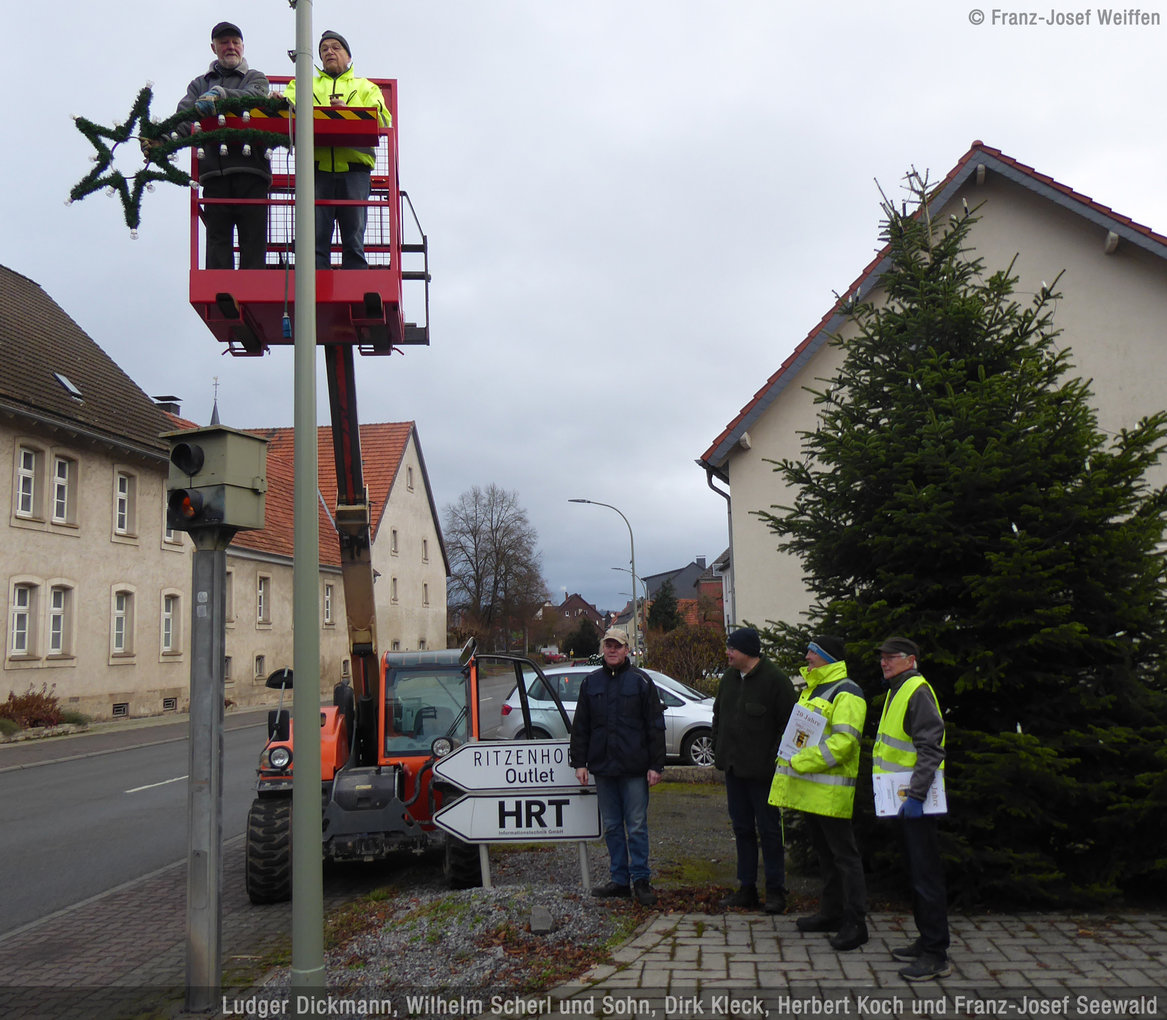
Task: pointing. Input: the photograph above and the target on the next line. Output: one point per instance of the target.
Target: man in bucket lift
(342, 173)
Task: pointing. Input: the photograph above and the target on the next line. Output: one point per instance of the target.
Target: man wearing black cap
(750, 712)
(232, 175)
(911, 740)
(342, 174)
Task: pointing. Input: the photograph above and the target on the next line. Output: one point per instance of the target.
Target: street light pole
(632, 549)
(644, 588)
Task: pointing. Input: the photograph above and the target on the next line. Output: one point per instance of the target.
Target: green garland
(166, 140)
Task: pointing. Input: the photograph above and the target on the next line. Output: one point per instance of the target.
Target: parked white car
(688, 713)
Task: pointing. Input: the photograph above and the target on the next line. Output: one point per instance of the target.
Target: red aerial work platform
(253, 309)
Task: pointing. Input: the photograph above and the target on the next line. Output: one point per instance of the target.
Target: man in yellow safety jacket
(342, 173)
(819, 780)
(911, 740)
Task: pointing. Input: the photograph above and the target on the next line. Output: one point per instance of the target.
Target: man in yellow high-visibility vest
(911, 740)
(820, 781)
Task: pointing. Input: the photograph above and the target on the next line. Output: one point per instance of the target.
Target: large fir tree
(958, 489)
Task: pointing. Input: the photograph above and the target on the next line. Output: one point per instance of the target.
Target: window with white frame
(229, 597)
(122, 623)
(22, 621)
(260, 667)
(125, 503)
(64, 510)
(29, 461)
(60, 620)
(328, 621)
(263, 599)
(171, 624)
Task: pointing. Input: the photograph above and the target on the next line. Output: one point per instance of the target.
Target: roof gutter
(731, 594)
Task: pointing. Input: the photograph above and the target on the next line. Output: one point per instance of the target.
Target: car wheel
(536, 734)
(697, 749)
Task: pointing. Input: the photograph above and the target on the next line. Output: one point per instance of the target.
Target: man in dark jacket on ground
(749, 716)
(619, 735)
(233, 175)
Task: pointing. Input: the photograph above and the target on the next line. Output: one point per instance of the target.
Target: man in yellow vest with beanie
(342, 174)
(911, 739)
(820, 781)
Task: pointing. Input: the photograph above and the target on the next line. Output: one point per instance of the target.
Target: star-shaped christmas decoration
(159, 141)
(103, 175)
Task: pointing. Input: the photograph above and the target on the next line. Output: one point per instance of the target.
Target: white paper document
(891, 789)
(805, 729)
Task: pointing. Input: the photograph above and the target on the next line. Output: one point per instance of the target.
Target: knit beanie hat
(745, 641)
(829, 647)
(339, 38)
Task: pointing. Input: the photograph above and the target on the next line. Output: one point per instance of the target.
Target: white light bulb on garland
(133, 235)
(149, 84)
(111, 191)
(174, 136)
(201, 152)
(246, 116)
(222, 120)
(195, 127)
(150, 186)
(246, 149)
(223, 150)
(267, 155)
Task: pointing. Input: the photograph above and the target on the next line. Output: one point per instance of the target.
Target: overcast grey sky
(635, 210)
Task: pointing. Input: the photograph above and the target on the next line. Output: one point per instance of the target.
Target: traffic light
(218, 477)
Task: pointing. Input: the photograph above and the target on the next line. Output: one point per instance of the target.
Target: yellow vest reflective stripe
(826, 783)
(894, 750)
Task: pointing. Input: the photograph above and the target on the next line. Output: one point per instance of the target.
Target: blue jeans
(352, 185)
(755, 821)
(624, 816)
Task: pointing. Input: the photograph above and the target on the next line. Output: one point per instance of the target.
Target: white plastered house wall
(1112, 315)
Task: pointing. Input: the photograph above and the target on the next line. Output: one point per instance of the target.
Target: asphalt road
(80, 816)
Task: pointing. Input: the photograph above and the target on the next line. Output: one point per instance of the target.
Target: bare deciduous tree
(496, 581)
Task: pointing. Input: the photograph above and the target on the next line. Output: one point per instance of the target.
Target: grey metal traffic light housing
(218, 478)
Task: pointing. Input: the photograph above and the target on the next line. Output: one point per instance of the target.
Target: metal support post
(204, 881)
(308, 978)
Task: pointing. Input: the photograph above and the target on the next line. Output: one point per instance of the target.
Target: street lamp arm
(632, 550)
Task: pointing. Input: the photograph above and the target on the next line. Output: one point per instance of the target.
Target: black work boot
(851, 936)
(746, 897)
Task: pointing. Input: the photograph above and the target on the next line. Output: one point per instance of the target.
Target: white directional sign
(523, 817)
(536, 765)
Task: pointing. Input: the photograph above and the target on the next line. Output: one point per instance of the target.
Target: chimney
(169, 404)
(701, 562)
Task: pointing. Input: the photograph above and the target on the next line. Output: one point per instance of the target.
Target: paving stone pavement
(122, 955)
(1003, 965)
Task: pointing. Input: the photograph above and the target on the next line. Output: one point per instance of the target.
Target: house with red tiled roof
(409, 560)
(1111, 314)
